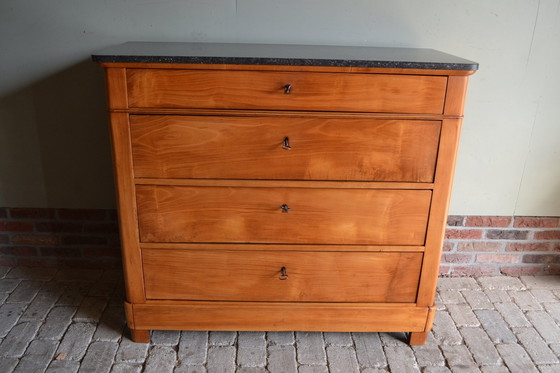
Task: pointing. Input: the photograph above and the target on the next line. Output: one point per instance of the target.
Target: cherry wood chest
(279, 187)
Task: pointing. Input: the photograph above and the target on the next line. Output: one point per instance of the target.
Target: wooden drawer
(255, 214)
(215, 89)
(253, 148)
(256, 276)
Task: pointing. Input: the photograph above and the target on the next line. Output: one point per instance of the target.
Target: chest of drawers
(282, 187)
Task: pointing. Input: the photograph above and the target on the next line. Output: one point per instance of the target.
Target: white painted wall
(53, 139)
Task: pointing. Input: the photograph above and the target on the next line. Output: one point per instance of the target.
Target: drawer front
(257, 276)
(284, 148)
(215, 89)
(282, 215)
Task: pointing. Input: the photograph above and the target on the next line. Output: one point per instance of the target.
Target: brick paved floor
(72, 321)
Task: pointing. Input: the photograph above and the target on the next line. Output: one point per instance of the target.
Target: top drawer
(216, 89)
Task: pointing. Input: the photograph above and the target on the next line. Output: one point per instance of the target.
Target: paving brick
(63, 366)
(495, 369)
(126, 368)
(251, 349)
(310, 348)
(112, 324)
(221, 359)
(553, 310)
(549, 368)
(513, 315)
(437, 370)
(282, 358)
(555, 347)
(458, 355)
(74, 293)
(495, 326)
(181, 368)
(469, 369)
(457, 283)
(444, 329)
(401, 360)
(7, 364)
(535, 346)
(311, 369)
(541, 282)
(497, 296)
(428, 355)
(18, 338)
(37, 357)
(222, 338)
(40, 347)
(501, 283)
(42, 303)
(161, 359)
(369, 351)
(99, 357)
(280, 338)
(516, 359)
(91, 309)
(9, 315)
(251, 339)
(7, 285)
(462, 315)
(545, 325)
(525, 300)
(451, 297)
(193, 347)
(338, 339)
(165, 337)
(342, 359)
(131, 352)
(477, 300)
(481, 347)
(544, 295)
(374, 370)
(76, 341)
(4, 271)
(57, 322)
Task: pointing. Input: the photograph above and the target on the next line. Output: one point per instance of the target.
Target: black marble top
(282, 54)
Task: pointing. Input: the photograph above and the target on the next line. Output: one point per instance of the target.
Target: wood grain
(252, 148)
(455, 97)
(256, 276)
(284, 114)
(438, 214)
(126, 202)
(115, 78)
(277, 247)
(318, 216)
(267, 316)
(265, 90)
(286, 183)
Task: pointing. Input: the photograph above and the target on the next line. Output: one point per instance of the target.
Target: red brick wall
(89, 238)
(59, 238)
(501, 244)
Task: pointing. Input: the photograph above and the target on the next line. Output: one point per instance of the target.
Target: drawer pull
(287, 89)
(283, 274)
(285, 208)
(286, 144)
